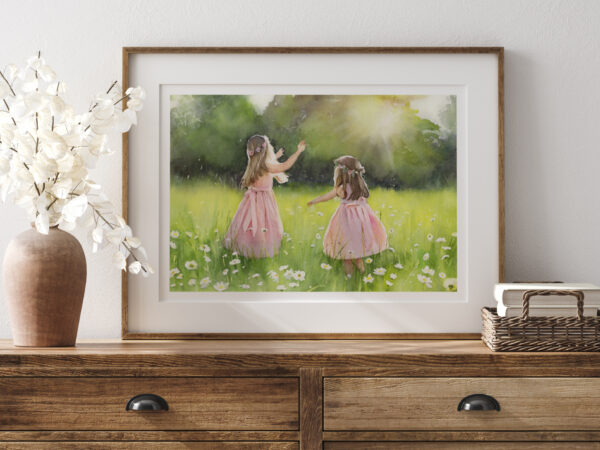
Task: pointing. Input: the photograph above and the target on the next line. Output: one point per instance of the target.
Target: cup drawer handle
(478, 402)
(147, 402)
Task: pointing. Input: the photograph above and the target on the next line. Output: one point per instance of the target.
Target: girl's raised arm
(323, 198)
(282, 167)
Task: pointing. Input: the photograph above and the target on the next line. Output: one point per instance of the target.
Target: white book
(547, 311)
(511, 294)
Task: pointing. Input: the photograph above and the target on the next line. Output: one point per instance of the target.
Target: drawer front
(194, 404)
(459, 445)
(146, 445)
(380, 404)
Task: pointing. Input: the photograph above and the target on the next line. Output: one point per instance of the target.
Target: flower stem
(9, 86)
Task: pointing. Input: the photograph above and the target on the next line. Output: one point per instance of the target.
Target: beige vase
(44, 282)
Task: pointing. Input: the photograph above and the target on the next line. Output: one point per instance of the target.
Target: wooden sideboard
(335, 395)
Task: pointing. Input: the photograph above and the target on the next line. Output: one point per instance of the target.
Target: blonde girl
(256, 227)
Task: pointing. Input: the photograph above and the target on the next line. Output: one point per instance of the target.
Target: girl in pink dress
(354, 230)
(256, 227)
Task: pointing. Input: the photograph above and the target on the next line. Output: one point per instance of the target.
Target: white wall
(552, 83)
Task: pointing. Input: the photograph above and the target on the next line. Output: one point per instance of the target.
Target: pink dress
(354, 230)
(256, 228)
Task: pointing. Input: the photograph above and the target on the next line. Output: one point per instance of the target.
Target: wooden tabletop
(247, 347)
(286, 358)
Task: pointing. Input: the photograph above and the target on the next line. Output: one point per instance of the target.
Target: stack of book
(509, 298)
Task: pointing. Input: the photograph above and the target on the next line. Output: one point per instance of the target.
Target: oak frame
(498, 51)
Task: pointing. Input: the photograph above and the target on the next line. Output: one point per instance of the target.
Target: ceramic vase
(44, 282)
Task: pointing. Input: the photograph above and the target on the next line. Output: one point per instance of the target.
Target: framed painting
(314, 192)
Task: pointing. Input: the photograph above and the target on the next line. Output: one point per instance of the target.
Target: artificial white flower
(47, 150)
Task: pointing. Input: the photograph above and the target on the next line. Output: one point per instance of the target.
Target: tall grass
(421, 228)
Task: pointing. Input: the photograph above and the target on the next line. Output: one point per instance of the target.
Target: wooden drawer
(153, 445)
(460, 445)
(194, 404)
(378, 404)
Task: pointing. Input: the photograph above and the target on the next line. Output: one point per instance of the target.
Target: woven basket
(541, 334)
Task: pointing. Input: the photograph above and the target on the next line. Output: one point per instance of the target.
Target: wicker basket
(541, 334)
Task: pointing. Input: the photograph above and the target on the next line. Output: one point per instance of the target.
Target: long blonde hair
(349, 171)
(256, 150)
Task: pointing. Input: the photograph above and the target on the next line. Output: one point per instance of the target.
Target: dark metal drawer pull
(147, 402)
(479, 402)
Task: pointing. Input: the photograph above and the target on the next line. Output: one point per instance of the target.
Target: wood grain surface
(285, 358)
(460, 445)
(194, 404)
(153, 445)
(431, 404)
(311, 408)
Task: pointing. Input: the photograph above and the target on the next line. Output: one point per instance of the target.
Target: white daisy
(369, 260)
(299, 275)
(389, 283)
(174, 234)
(191, 265)
(281, 268)
(425, 256)
(204, 282)
(368, 279)
(380, 271)
(192, 282)
(220, 286)
(173, 245)
(281, 287)
(325, 266)
(289, 274)
(442, 275)
(393, 276)
(234, 262)
(398, 266)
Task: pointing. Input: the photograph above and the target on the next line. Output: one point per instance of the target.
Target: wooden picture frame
(497, 52)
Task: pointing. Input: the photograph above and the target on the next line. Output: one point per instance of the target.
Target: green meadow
(421, 228)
